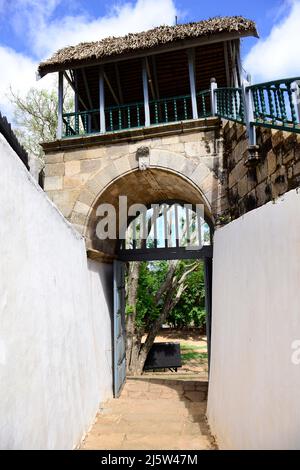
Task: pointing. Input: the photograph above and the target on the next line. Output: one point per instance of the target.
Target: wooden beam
(191, 62)
(155, 76)
(87, 89)
(119, 83)
(226, 64)
(239, 63)
(150, 79)
(101, 101)
(152, 254)
(233, 64)
(146, 94)
(60, 104)
(111, 88)
(73, 85)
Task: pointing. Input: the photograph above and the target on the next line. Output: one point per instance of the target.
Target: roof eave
(176, 45)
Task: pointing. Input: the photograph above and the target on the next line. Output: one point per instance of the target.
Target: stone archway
(170, 175)
(150, 186)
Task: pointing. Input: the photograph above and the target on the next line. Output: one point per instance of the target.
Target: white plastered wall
(254, 387)
(55, 307)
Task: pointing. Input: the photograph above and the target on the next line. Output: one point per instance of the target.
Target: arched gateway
(144, 127)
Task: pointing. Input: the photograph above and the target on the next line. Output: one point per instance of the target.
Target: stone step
(141, 441)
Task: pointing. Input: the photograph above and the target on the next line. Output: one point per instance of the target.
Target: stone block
(72, 168)
(272, 162)
(53, 183)
(90, 166)
(55, 169)
(64, 200)
(86, 197)
(176, 148)
(88, 153)
(54, 158)
(277, 138)
(76, 181)
(296, 168)
(262, 171)
(78, 218)
(170, 139)
(191, 137)
(116, 151)
(81, 208)
(200, 173)
(133, 161)
(123, 165)
(288, 156)
(243, 186)
(193, 149)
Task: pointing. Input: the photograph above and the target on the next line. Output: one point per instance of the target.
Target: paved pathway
(154, 414)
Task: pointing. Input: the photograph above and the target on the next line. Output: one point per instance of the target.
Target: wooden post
(191, 60)
(60, 104)
(146, 94)
(249, 115)
(226, 64)
(213, 105)
(101, 101)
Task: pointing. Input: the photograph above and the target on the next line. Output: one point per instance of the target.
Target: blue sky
(31, 30)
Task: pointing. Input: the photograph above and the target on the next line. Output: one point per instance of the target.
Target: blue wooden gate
(119, 331)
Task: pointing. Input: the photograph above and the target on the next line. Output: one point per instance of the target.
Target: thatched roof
(95, 52)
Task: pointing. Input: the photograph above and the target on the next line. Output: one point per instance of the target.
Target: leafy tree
(35, 117)
(158, 292)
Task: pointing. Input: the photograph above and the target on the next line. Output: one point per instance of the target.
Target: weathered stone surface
(53, 183)
(55, 169)
(243, 186)
(72, 168)
(54, 158)
(116, 151)
(90, 166)
(153, 415)
(81, 208)
(75, 181)
(272, 162)
(64, 200)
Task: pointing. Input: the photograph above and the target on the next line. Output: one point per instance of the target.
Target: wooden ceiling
(167, 76)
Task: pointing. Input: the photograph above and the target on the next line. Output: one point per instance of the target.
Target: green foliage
(152, 275)
(190, 310)
(35, 117)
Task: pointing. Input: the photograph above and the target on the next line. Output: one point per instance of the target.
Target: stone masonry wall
(277, 172)
(76, 176)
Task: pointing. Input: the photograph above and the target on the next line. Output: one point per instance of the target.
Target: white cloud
(44, 33)
(122, 19)
(277, 56)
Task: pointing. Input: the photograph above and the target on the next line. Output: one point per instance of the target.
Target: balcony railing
(229, 104)
(131, 116)
(275, 104)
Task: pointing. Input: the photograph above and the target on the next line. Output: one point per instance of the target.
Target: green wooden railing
(129, 116)
(271, 104)
(229, 104)
(275, 104)
(80, 123)
(173, 109)
(124, 117)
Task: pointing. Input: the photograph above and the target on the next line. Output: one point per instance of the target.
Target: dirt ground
(193, 347)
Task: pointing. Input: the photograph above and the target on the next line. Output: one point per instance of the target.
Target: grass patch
(189, 347)
(192, 356)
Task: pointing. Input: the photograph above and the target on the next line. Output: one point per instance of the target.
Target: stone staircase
(154, 413)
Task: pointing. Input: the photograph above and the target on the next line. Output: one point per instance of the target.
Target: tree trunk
(132, 289)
